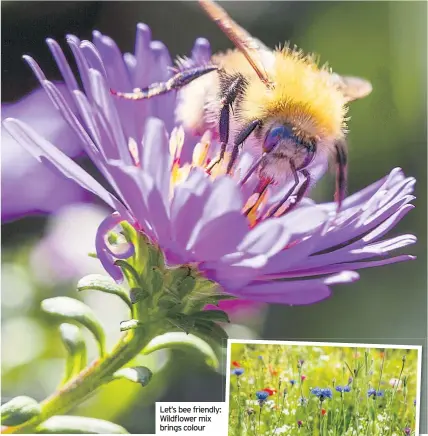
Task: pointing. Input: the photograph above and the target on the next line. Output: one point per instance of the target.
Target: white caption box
(191, 419)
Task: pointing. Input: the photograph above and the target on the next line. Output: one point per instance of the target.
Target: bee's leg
(257, 195)
(177, 81)
(277, 209)
(231, 86)
(240, 138)
(301, 191)
(341, 173)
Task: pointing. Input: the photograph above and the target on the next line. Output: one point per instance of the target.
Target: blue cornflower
(238, 371)
(261, 395)
(292, 382)
(303, 401)
(373, 393)
(260, 357)
(343, 388)
(322, 393)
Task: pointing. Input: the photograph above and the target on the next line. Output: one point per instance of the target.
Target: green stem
(89, 379)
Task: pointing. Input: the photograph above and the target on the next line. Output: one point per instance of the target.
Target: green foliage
(155, 295)
(137, 374)
(73, 341)
(71, 310)
(97, 282)
(19, 410)
(78, 425)
(183, 341)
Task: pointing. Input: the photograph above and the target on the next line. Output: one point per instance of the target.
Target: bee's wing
(250, 47)
(353, 88)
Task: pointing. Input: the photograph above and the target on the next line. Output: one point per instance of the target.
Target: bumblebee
(285, 109)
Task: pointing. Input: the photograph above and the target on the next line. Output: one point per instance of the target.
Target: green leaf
(130, 325)
(138, 294)
(137, 374)
(74, 311)
(72, 338)
(180, 340)
(79, 425)
(156, 279)
(180, 321)
(211, 315)
(19, 410)
(211, 330)
(98, 282)
(214, 298)
(130, 273)
(156, 257)
(186, 286)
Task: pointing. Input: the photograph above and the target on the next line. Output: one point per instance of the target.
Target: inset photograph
(320, 389)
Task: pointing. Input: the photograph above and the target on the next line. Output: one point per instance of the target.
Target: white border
(328, 344)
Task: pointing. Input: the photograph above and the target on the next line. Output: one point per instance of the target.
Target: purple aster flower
(407, 431)
(27, 185)
(206, 220)
(343, 389)
(238, 371)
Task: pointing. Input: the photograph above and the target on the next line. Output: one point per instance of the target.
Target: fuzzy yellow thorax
(303, 95)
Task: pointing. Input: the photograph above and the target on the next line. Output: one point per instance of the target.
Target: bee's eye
(275, 135)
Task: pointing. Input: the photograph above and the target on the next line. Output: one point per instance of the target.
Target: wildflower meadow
(322, 390)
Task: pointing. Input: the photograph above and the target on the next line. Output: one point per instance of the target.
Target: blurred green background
(385, 42)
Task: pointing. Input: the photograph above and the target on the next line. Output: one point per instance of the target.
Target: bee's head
(281, 143)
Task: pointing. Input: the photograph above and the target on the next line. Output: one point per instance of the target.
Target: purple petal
(201, 52)
(188, 203)
(268, 238)
(93, 57)
(156, 159)
(82, 64)
(46, 152)
(330, 269)
(299, 292)
(162, 106)
(222, 225)
(103, 252)
(118, 78)
(141, 76)
(143, 56)
(103, 99)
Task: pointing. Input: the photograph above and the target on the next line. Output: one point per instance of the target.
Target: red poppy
(236, 364)
(303, 377)
(323, 412)
(270, 391)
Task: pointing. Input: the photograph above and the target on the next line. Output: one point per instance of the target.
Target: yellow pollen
(200, 152)
(176, 142)
(133, 150)
(252, 215)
